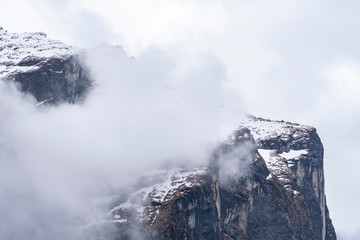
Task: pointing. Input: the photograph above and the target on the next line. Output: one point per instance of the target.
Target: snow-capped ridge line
(17, 48)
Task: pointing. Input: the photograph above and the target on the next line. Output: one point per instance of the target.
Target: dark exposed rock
(48, 69)
(59, 79)
(261, 204)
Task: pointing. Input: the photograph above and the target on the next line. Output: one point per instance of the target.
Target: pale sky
(284, 59)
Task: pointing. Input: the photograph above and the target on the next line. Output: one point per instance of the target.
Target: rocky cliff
(265, 182)
(48, 69)
(274, 189)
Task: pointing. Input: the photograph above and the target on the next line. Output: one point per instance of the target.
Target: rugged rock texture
(277, 192)
(48, 69)
(55, 80)
(294, 154)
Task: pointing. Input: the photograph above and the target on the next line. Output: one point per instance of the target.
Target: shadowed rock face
(54, 80)
(281, 195)
(48, 69)
(294, 153)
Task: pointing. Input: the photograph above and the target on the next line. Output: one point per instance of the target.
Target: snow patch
(119, 221)
(269, 176)
(294, 154)
(263, 129)
(266, 154)
(278, 167)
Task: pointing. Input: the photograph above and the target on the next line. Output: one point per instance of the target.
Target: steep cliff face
(294, 154)
(277, 192)
(48, 69)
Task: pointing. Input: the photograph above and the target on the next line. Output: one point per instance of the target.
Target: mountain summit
(48, 69)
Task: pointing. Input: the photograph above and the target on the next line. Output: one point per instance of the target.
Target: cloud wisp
(143, 114)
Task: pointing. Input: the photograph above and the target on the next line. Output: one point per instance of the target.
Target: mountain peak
(15, 47)
(48, 69)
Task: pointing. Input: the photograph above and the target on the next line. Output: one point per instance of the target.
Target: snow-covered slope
(264, 129)
(18, 48)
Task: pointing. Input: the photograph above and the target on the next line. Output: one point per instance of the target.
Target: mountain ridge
(265, 182)
(53, 72)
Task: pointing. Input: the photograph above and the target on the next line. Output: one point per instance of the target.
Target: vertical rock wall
(54, 80)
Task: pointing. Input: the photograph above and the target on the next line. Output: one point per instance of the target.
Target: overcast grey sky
(283, 59)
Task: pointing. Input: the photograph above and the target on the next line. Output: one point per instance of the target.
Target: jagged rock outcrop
(48, 69)
(294, 153)
(277, 192)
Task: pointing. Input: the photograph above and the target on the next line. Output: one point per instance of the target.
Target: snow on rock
(142, 204)
(263, 129)
(174, 180)
(280, 165)
(275, 140)
(19, 51)
(266, 154)
(269, 176)
(294, 154)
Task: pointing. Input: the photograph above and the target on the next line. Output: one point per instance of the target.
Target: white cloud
(344, 83)
(142, 115)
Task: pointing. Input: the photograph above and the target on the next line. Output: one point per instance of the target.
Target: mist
(142, 114)
(286, 60)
